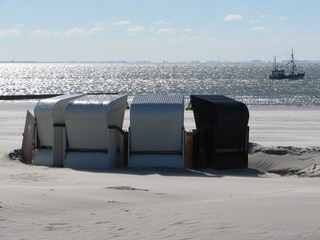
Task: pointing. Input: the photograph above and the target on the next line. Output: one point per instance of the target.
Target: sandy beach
(276, 198)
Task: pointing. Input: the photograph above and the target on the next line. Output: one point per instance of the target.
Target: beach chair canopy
(50, 112)
(88, 120)
(156, 122)
(228, 117)
(156, 131)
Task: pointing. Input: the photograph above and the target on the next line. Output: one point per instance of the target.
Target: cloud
(200, 38)
(137, 28)
(165, 30)
(69, 33)
(74, 31)
(187, 30)
(260, 19)
(233, 18)
(258, 29)
(40, 32)
(122, 23)
(19, 25)
(10, 32)
(159, 22)
(283, 18)
(95, 29)
(81, 31)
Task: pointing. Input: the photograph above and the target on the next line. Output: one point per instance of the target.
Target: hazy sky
(156, 30)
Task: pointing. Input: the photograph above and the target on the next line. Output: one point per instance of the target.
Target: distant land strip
(162, 62)
(41, 96)
(24, 97)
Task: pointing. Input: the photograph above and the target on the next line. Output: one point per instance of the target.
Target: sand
(276, 198)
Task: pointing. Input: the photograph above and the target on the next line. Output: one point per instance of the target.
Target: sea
(246, 82)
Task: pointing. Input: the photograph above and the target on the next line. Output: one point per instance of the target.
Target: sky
(159, 30)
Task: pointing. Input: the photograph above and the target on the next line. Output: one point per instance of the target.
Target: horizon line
(147, 61)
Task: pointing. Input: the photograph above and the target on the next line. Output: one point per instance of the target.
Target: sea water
(246, 82)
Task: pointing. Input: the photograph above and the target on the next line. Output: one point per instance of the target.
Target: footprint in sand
(127, 188)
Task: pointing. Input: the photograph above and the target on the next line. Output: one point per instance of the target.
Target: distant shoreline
(27, 97)
(42, 96)
(163, 62)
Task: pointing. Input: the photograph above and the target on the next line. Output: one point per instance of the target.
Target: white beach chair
(49, 131)
(156, 133)
(93, 126)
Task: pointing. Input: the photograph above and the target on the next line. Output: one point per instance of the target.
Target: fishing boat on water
(279, 74)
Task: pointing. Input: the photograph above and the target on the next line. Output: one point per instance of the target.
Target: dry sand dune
(286, 160)
(256, 203)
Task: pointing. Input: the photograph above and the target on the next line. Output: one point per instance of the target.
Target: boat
(281, 73)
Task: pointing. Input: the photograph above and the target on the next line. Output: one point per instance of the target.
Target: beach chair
(50, 130)
(94, 132)
(156, 132)
(222, 135)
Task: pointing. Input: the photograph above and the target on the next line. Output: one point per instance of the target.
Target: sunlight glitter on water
(246, 82)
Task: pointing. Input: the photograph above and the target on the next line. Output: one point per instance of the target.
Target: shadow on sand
(173, 172)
